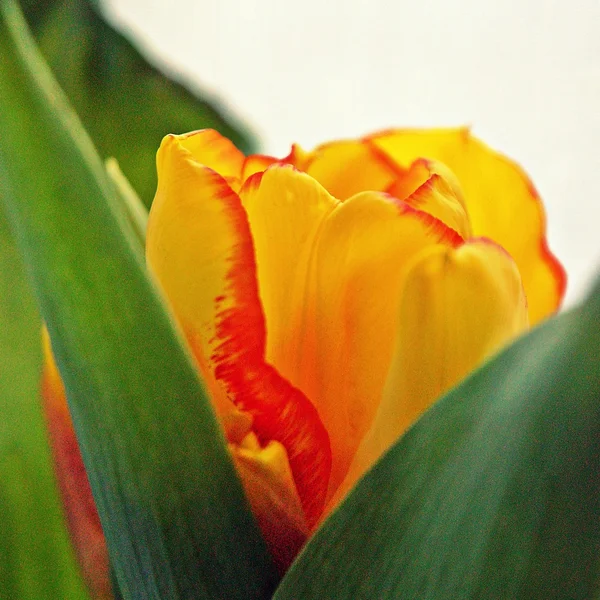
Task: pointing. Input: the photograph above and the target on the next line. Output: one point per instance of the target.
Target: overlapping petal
(330, 275)
(349, 167)
(457, 307)
(501, 201)
(256, 163)
(432, 188)
(286, 209)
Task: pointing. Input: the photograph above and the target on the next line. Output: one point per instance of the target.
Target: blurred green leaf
(172, 509)
(125, 104)
(36, 558)
(494, 493)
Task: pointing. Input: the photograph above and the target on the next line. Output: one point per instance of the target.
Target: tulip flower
(328, 299)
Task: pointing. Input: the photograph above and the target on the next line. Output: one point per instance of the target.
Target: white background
(524, 73)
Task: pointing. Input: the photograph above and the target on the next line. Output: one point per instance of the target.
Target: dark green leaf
(36, 559)
(125, 104)
(172, 509)
(494, 493)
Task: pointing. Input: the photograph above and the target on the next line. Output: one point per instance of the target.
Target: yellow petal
(501, 202)
(200, 248)
(214, 151)
(330, 276)
(286, 209)
(197, 239)
(458, 307)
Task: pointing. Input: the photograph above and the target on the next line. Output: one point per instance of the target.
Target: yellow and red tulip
(329, 298)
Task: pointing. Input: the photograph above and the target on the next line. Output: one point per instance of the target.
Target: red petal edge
(280, 411)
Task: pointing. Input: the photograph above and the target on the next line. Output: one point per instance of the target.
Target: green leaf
(493, 493)
(36, 558)
(173, 511)
(126, 105)
(132, 207)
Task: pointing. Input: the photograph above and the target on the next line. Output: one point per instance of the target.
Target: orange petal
(298, 157)
(256, 163)
(433, 188)
(330, 274)
(82, 518)
(457, 307)
(346, 168)
(501, 202)
(200, 248)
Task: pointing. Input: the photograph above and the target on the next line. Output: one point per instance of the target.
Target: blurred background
(525, 75)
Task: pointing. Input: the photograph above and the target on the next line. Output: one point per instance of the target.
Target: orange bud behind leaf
(80, 511)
